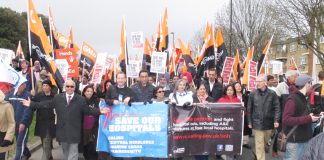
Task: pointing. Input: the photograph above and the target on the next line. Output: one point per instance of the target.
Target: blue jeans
(294, 151)
(21, 146)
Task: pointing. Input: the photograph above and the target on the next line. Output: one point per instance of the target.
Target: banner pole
(29, 43)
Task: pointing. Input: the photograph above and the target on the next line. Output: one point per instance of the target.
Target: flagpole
(231, 23)
(29, 43)
(51, 35)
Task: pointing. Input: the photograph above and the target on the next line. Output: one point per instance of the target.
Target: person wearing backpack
(297, 113)
(316, 99)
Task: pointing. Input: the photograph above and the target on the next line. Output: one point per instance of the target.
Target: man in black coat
(214, 88)
(263, 113)
(143, 90)
(45, 120)
(69, 108)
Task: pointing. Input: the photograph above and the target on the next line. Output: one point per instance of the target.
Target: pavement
(58, 155)
(56, 152)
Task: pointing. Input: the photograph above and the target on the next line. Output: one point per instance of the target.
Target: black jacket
(216, 92)
(69, 116)
(114, 92)
(263, 109)
(45, 117)
(143, 93)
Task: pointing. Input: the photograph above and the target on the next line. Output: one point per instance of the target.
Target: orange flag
(70, 41)
(236, 67)
(261, 62)
(249, 56)
(147, 53)
(164, 32)
(20, 52)
(158, 37)
(123, 57)
(147, 47)
(246, 68)
(293, 65)
(40, 47)
(63, 42)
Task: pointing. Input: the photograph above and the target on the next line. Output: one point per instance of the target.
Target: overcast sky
(98, 22)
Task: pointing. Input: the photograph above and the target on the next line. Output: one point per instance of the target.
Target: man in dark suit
(69, 108)
(214, 89)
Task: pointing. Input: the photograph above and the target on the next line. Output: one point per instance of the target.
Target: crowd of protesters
(71, 117)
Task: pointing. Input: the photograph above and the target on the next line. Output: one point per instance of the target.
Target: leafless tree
(303, 19)
(252, 25)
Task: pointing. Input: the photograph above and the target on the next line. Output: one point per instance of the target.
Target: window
(279, 48)
(302, 60)
(284, 48)
(303, 46)
(322, 39)
(317, 61)
(293, 47)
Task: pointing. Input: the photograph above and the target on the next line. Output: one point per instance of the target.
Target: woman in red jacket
(229, 95)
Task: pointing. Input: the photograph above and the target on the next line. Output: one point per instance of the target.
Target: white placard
(63, 66)
(99, 68)
(6, 55)
(137, 40)
(277, 67)
(133, 68)
(158, 62)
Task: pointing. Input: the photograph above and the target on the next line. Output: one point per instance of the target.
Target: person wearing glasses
(70, 108)
(159, 95)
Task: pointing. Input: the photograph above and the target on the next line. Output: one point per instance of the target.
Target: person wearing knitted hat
(296, 113)
(45, 119)
(7, 126)
(188, 77)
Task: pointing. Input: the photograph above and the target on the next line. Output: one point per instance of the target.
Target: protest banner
(136, 131)
(6, 55)
(158, 62)
(206, 130)
(99, 68)
(70, 56)
(252, 75)
(137, 40)
(227, 69)
(63, 66)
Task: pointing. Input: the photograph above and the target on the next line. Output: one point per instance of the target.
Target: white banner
(99, 68)
(137, 40)
(10, 75)
(158, 62)
(6, 55)
(63, 66)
